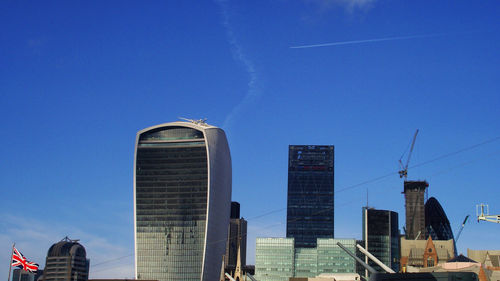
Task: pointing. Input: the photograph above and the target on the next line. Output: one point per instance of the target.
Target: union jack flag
(18, 260)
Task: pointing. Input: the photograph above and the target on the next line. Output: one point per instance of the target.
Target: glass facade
(306, 262)
(332, 259)
(182, 201)
(276, 259)
(382, 229)
(171, 204)
(436, 221)
(310, 202)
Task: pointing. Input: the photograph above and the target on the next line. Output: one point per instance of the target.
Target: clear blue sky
(78, 79)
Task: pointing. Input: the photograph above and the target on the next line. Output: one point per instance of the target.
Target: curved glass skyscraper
(182, 200)
(436, 221)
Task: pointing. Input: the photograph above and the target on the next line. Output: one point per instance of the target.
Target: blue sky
(78, 79)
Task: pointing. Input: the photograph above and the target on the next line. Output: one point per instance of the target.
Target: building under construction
(414, 192)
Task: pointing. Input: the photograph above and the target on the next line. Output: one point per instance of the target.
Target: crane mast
(461, 229)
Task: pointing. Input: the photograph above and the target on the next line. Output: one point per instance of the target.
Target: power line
(456, 152)
(465, 163)
(111, 260)
(350, 187)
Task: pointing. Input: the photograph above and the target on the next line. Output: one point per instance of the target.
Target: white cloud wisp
(253, 91)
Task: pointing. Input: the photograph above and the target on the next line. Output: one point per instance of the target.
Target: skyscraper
(310, 203)
(415, 211)
(436, 221)
(182, 196)
(381, 237)
(237, 236)
(66, 260)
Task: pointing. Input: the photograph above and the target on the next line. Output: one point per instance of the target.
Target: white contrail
(365, 41)
(253, 90)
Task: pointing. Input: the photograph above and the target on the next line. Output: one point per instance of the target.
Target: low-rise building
(425, 253)
(490, 258)
(276, 259)
(462, 264)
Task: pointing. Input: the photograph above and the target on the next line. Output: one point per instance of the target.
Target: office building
(182, 201)
(381, 237)
(277, 259)
(414, 192)
(23, 275)
(436, 221)
(66, 261)
(237, 236)
(310, 201)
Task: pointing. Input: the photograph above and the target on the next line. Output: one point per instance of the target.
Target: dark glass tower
(381, 237)
(436, 221)
(310, 213)
(182, 193)
(237, 235)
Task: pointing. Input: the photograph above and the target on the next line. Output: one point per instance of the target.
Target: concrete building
(237, 235)
(182, 197)
(276, 259)
(310, 201)
(425, 253)
(381, 237)
(414, 192)
(66, 261)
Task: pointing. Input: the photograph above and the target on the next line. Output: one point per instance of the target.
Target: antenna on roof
(202, 122)
(70, 240)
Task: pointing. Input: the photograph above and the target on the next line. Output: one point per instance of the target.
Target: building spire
(238, 276)
(222, 271)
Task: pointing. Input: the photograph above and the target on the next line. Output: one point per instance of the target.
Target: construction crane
(485, 216)
(404, 167)
(461, 228)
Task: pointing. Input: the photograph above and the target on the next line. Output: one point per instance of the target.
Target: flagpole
(10, 259)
